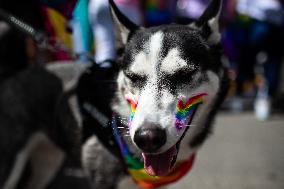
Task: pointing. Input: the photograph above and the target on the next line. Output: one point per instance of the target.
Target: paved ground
(242, 154)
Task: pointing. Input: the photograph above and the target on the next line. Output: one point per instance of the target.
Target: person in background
(82, 36)
(102, 28)
(93, 36)
(156, 12)
(256, 34)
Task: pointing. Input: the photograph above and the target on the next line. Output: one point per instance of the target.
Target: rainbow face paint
(133, 105)
(185, 111)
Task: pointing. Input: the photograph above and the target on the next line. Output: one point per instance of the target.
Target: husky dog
(163, 67)
(39, 137)
(171, 83)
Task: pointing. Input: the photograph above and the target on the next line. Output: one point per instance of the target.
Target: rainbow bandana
(185, 112)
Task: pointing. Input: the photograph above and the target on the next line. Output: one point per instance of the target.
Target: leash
(40, 37)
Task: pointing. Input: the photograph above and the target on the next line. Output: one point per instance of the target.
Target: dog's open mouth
(160, 164)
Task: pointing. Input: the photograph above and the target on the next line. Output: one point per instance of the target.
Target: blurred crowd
(252, 38)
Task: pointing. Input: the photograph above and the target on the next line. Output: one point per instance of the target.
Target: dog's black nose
(150, 139)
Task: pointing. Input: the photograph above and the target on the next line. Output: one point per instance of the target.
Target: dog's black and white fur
(163, 64)
(160, 65)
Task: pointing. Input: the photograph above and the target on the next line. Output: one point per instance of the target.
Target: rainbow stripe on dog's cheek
(184, 112)
(133, 105)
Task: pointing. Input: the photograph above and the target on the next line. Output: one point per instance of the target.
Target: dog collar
(136, 168)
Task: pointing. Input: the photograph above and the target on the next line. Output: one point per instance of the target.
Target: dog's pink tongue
(159, 164)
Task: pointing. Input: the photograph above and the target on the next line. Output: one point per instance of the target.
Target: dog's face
(168, 83)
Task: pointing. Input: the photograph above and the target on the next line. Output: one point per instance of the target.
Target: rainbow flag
(56, 14)
(55, 27)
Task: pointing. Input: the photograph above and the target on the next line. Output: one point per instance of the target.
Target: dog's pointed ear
(123, 27)
(208, 23)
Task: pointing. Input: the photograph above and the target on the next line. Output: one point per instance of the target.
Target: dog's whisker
(123, 122)
(122, 128)
(123, 118)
